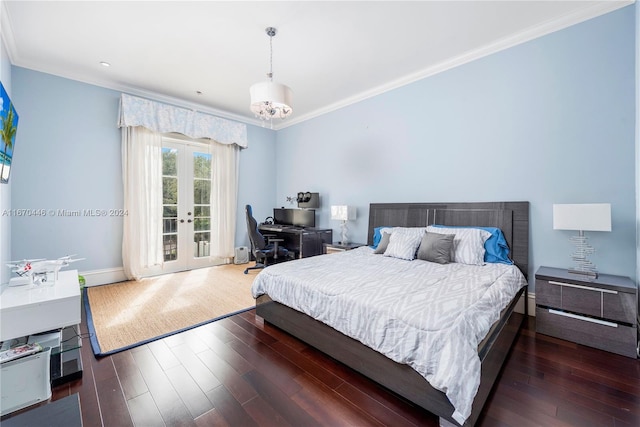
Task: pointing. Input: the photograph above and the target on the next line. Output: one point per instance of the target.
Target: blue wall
(68, 158)
(258, 167)
(549, 121)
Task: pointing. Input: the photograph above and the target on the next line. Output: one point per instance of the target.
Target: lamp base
(344, 233)
(591, 274)
(583, 249)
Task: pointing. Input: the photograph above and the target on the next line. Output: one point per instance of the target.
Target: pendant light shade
(270, 99)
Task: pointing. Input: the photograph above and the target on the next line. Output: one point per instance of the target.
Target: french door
(186, 205)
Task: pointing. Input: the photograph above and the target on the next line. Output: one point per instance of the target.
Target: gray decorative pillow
(436, 247)
(384, 242)
(468, 245)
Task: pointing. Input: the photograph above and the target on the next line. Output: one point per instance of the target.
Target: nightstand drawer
(335, 247)
(583, 300)
(332, 250)
(596, 333)
(547, 294)
(620, 307)
(570, 297)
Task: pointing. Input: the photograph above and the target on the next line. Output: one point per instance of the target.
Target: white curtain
(142, 178)
(224, 199)
(143, 122)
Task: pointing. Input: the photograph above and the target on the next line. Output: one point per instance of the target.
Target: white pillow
(468, 245)
(416, 230)
(404, 242)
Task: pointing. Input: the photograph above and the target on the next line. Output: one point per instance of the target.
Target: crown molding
(544, 29)
(595, 10)
(155, 96)
(6, 32)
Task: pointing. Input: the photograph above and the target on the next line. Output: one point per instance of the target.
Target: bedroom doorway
(186, 205)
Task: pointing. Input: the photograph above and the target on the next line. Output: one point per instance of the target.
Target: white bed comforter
(429, 316)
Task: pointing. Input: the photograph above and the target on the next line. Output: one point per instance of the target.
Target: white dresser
(30, 309)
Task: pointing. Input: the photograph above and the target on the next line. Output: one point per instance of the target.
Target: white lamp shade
(343, 213)
(277, 94)
(584, 217)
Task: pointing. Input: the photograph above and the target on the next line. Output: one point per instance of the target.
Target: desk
(304, 241)
(30, 309)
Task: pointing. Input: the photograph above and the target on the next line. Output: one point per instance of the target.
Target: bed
(373, 359)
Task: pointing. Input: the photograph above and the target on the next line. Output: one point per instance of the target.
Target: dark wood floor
(240, 372)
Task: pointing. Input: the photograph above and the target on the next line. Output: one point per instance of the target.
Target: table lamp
(343, 213)
(582, 217)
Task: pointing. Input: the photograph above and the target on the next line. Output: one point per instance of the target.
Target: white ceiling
(331, 53)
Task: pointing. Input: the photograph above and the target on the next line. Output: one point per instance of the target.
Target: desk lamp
(582, 217)
(343, 213)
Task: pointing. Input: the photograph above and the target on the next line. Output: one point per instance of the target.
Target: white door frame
(183, 225)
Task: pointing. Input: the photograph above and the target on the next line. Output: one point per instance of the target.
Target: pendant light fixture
(269, 99)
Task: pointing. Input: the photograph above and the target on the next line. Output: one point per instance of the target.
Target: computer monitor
(296, 217)
(304, 217)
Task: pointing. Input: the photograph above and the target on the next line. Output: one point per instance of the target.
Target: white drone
(35, 271)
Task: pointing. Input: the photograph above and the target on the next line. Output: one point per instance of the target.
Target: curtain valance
(164, 118)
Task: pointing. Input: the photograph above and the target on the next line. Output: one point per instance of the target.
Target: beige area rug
(127, 314)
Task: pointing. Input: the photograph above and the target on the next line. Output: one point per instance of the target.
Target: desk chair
(264, 247)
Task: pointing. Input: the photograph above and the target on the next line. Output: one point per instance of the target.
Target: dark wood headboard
(511, 217)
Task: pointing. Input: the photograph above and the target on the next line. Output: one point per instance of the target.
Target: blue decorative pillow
(496, 247)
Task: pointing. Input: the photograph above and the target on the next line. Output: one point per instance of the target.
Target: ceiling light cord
(272, 32)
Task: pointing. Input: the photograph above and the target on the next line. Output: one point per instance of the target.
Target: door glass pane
(170, 244)
(202, 211)
(201, 191)
(169, 190)
(202, 165)
(169, 161)
(201, 244)
(201, 204)
(170, 203)
(201, 224)
(169, 211)
(170, 225)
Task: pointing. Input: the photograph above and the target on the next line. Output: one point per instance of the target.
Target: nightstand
(331, 248)
(600, 313)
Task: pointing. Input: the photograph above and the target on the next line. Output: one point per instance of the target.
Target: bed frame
(511, 217)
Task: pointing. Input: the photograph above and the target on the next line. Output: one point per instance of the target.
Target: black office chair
(263, 247)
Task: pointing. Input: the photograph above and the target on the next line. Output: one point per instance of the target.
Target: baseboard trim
(103, 277)
(531, 304)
